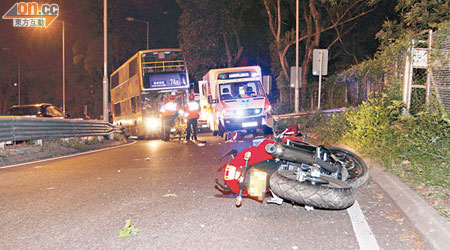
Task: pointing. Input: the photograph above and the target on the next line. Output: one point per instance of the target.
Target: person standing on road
(168, 114)
(192, 116)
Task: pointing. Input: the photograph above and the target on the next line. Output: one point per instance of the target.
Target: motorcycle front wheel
(358, 172)
(331, 194)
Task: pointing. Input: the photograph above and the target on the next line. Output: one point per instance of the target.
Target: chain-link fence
(418, 91)
(408, 67)
(440, 65)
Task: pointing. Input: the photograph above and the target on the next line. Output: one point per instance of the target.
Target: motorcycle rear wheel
(336, 194)
(359, 174)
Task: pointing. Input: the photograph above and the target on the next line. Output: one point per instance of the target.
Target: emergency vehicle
(234, 99)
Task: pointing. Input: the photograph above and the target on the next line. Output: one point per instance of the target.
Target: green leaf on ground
(128, 230)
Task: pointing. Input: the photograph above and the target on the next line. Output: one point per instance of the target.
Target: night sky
(39, 50)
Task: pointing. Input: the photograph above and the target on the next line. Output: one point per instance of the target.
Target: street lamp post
(63, 67)
(64, 70)
(105, 58)
(18, 79)
(132, 19)
(296, 90)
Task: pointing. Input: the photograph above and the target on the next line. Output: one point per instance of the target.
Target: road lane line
(65, 156)
(364, 235)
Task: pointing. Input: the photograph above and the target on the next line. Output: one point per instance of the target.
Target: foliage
(423, 141)
(415, 17)
(81, 143)
(423, 14)
(283, 108)
(284, 105)
(441, 43)
(404, 143)
(210, 33)
(128, 230)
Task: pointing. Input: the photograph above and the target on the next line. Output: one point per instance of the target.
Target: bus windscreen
(163, 69)
(162, 61)
(237, 90)
(153, 101)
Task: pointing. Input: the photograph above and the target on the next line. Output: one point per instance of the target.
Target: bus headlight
(152, 123)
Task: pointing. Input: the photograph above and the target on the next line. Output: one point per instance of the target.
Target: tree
(210, 33)
(415, 16)
(317, 18)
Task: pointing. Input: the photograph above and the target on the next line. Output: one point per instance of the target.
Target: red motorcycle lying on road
(291, 169)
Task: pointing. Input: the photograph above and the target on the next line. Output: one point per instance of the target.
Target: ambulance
(234, 99)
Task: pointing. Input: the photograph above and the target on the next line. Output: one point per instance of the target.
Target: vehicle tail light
(231, 173)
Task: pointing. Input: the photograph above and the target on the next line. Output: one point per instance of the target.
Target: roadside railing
(324, 112)
(18, 128)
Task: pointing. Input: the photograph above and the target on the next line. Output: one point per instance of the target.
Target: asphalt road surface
(167, 189)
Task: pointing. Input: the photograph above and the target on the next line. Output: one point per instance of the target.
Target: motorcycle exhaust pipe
(293, 154)
(290, 154)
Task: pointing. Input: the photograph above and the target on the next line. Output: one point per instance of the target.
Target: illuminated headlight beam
(152, 123)
(240, 112)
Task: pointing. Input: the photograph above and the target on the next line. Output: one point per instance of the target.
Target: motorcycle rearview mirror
(279, 137)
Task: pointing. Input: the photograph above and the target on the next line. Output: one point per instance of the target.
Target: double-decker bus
(141, 85)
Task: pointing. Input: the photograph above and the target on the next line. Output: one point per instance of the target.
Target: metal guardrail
(18, 128)
(324, 112)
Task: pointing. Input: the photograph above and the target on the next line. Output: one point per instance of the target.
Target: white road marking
(364, 235)
(65, 156)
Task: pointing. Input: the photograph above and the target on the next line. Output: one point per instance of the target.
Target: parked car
(35, 110)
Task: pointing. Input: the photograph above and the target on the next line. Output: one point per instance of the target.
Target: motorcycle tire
(336, 194)
(357, 175)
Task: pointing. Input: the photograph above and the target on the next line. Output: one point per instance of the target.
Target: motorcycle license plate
(257, 183)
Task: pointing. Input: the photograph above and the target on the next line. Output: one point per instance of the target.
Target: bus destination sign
(166, 81)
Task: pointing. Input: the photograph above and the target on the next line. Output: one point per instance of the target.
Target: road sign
(292, 84)
(320, 57)
(320, 68)
(267, 84)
